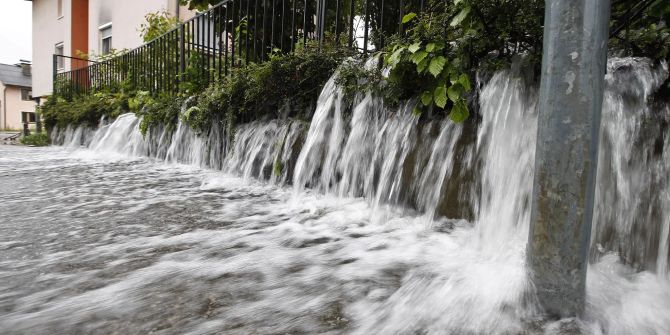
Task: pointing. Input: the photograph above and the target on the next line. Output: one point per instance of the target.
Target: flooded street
(91, 245)
(95, 244)
(337, 226)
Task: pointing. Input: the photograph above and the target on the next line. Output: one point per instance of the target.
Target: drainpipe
(4, 106)
(571, 93)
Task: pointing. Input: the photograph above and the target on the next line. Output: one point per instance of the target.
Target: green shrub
(37, 139)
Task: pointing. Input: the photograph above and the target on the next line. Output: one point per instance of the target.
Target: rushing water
(366, 221)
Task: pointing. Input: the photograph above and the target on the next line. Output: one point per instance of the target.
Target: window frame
(26, 94)
(60, 61)
(59, 9)
(28, 116)
(103, 38)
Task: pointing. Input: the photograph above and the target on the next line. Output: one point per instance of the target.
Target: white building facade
(87, 27)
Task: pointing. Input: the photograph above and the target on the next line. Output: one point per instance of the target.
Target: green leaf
(464, 80)
(430, 47)
(453, 76)
(440, 96)
(427, 98)
(460, 112)
(408, 17)
(417, 110)
(418, 57)
(421, 67)
(454, 92)
(436, 65)
(456, 2)
(394, 59)
(460, 17)
(414, 47)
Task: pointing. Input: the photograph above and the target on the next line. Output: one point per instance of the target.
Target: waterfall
(506, 146)
(632, 188)
(481, 170)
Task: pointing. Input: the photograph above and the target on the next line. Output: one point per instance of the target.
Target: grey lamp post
(573, 69)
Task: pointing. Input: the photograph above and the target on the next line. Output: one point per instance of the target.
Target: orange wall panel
(79, 30)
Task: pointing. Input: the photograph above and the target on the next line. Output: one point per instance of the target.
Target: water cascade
(471, 180)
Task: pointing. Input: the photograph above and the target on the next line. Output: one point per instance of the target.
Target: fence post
(182, 54)
(55, 72)
(571, 93)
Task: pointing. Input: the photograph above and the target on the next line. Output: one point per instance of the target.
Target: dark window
(26, 94)
(27, 117)
(106, 40)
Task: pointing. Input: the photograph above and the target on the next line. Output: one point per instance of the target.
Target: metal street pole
(571, 93)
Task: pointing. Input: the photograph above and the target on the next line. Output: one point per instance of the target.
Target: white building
(16, 104)
(93, 27)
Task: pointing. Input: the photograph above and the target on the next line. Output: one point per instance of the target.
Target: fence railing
(232, 34)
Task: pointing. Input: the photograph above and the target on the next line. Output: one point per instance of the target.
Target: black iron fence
(232, 34)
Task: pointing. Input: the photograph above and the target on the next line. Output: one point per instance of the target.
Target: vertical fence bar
(337, 21)
(239, 35)
(191, 45)
(209, 45)
(225, 64)
(54, 74)
(351, 23)
(147, 68)
(160, 55)
(381, 27)
(234, 30)
(365, 32)
(293, 41)
(246, 39)
(401, 9)
(265, 7)
(152, 76)
(272, 26)
(218, 33)
(319, 8)
(304, 24)
(167, 59)
(200, 44)
(322, 23)
(172, 60)
(281, 36)
(176, 44)
(182, 53)
(255, 29)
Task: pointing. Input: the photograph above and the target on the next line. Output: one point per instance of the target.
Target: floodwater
(334, 226)
(96, 244)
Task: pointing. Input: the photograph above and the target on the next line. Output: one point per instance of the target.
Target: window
(27, 117)
(105, 38)
(26, 94)
(60, 8)
(60, 64)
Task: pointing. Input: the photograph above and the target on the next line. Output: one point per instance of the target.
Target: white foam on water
(357, 244)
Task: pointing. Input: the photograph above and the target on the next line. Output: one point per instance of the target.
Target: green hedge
(257, 91)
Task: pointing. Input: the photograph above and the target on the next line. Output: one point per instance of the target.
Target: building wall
(126, 17)
(48, 30)
(12, 106)
(78, 29)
